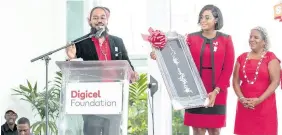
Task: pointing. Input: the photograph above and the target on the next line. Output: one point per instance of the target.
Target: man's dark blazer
(87, 51)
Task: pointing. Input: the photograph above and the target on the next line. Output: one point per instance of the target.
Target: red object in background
(278, 12)
(156, 38)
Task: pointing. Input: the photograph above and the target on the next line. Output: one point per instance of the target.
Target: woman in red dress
(213, 54)
(256, 76)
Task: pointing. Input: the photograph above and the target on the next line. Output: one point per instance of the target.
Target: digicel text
(86, 94)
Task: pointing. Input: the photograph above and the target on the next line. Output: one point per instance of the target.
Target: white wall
(28, 28)
(158, 17)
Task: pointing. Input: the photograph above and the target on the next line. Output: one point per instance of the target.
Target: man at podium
(103, 47)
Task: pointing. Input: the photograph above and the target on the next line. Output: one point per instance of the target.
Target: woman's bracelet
(242, 97)
(217, 91)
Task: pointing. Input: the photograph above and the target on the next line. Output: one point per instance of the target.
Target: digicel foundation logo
(89, 98)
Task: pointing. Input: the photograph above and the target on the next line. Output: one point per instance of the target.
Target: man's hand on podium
(134, 77)
(71, 52)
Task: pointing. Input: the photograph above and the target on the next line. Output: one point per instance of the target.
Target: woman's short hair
(216, 14)
(264, 36)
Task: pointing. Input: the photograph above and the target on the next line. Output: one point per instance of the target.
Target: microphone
(89, 35)
(95, 32)
(99, 31)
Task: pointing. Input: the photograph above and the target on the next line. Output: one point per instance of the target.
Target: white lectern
(95, 94)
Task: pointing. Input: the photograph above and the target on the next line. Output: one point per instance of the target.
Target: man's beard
(98, 32)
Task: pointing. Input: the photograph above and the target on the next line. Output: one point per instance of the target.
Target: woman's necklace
(257, 69)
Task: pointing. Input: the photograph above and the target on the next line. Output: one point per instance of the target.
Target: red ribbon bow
(156, 38)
